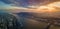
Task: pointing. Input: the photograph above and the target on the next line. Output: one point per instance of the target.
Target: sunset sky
(16, 6)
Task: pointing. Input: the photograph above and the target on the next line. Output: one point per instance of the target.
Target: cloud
(23, 3)
(9, 8)
(50, 7)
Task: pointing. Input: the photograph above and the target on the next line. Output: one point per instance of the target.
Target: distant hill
(38, 15)
(25, 14)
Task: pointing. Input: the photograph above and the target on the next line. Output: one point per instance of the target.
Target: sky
(16, 6)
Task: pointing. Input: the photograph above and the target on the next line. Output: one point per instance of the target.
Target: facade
(8, 21)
